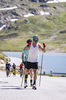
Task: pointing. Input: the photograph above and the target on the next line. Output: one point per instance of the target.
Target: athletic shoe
(25, 85)
(34, 87)
(31, 84)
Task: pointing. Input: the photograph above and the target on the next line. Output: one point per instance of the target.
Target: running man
(32, 60)
(14, 69)
(7, 68)
(24, 59)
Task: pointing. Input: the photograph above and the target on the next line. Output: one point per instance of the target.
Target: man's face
(7, 62)
(35, 41)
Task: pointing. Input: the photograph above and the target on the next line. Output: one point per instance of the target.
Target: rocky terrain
(11, 10)
(49, 25)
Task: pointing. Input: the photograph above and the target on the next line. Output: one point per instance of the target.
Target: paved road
(52, 88)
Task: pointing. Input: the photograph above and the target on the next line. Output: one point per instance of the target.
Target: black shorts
(8, 68)
(21, 68)
(32, 65)
(14, 68)
(25, 64)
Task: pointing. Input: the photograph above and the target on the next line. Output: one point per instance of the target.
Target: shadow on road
(11, 87)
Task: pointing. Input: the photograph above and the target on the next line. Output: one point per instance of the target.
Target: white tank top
(33, 53)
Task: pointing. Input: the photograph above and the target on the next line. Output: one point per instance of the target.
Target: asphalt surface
(51, 88)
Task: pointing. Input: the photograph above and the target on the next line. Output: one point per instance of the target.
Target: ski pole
(22, 77)
(22, 80)
(44, 45)
(41, 69)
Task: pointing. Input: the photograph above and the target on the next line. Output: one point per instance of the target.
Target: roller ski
(34, 87)
(25, 85)
(31, 84)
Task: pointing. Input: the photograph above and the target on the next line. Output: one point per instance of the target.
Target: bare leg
(31, 77)
(26, 71)
(35, 74)
(31, 73)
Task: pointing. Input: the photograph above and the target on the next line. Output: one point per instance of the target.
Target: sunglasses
(35, 40)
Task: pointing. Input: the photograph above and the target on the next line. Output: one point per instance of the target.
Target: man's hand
(29, 44)
(44, 45)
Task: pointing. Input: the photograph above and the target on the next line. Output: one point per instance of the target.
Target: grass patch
(14, 39)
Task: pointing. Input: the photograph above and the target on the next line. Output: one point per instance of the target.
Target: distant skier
(14, 69)
(8, 65)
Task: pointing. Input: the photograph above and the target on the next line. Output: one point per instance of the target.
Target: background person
(24, 59)
(14, 69)
(8, 65)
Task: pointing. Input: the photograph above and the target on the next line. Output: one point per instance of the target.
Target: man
(24, 59)
(14, 69)
(7, 68)
(32, 60)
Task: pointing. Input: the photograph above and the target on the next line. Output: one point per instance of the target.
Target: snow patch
(44, 13)
(29, 14)
(13, 20)
(9, 8)
(56, 1)
(2, 27)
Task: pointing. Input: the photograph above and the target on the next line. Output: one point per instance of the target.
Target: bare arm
(42, 48)
(22, 57)
(27, 47)
(23, 53)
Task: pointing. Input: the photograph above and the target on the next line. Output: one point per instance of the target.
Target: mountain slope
(50, 28)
